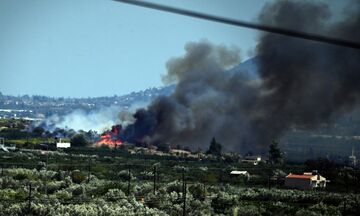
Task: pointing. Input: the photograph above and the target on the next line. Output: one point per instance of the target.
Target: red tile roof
(299, 176)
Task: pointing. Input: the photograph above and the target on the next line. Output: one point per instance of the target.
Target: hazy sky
(82, 48)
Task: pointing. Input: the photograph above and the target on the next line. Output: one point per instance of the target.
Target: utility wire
(271, 29)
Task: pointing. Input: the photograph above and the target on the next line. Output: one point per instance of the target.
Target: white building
(252, 159)
(245, 174)
(63, 145)
(7, 148)
(305, 181)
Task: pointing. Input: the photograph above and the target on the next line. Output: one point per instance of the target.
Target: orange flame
(111, 137)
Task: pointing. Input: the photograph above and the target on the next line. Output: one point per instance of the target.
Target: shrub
(223, 203)
(63, 195)
(78, 190)
(79, 140)
(175, 186)
(23, 174)
(124, 175)
(249, 210)
(77, 176)
(114, 195)
(197, 191)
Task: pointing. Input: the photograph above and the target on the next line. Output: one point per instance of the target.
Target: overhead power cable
(271, 29)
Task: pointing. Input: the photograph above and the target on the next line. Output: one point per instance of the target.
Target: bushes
(175, 186)
(22, 174)
(319, 210)
(79, 140)
(63, 195)
(223, 203)
(143, 189)
(114, 195)
(198, 191)
(70, 193)
(9, 182)
(12, 209)
(124, 175)
(10, 194)
(249, 210)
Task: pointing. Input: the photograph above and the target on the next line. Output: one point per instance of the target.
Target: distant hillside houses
(38, 107)
(253, 159)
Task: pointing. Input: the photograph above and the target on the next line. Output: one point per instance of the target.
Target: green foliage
(211, 178)
(249, 210)
(11, 194)
(22, 174)
(197, 191)
(175, 186)
(114, 195)
(13, 133)
(79, 140)
(319, 210)
(125, 175)
(77, 176)
(223, 203)
(38, 131)
(63, 195)
(323, 209)
(208, 192)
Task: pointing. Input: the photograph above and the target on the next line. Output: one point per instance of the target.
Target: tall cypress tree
(214, 148)
(275, 155)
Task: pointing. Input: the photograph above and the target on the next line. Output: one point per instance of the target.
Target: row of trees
(275, 154)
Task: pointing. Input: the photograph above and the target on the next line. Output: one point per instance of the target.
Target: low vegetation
(77, 182)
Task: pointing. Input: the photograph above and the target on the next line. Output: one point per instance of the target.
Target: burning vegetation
(111, 137)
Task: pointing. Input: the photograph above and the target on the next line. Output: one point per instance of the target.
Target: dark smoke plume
(302, 83)
(207, 101)
(309, 82)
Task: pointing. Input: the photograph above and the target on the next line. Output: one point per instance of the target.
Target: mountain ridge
(38, 106)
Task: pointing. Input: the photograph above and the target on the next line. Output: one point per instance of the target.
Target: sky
(91, 48)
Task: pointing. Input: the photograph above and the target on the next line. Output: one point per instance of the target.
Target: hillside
(334, 139)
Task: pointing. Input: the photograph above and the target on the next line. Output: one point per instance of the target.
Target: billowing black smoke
(309, 82)
(301, 83)
(207, 101)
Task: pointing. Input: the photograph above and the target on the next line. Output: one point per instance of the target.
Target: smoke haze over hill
(302, 83)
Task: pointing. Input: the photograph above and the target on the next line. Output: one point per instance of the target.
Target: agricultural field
(102, 181)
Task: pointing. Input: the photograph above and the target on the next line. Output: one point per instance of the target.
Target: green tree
(79, 140)
(223, 203)
(38, 131)
(275, 155)
(215, 147)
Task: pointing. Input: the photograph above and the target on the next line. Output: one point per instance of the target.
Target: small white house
(240, 173)
(7, 148)
(63, 145)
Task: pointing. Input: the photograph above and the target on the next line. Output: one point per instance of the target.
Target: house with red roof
(305, 181)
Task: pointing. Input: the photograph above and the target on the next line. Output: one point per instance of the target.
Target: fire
(111, 137)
